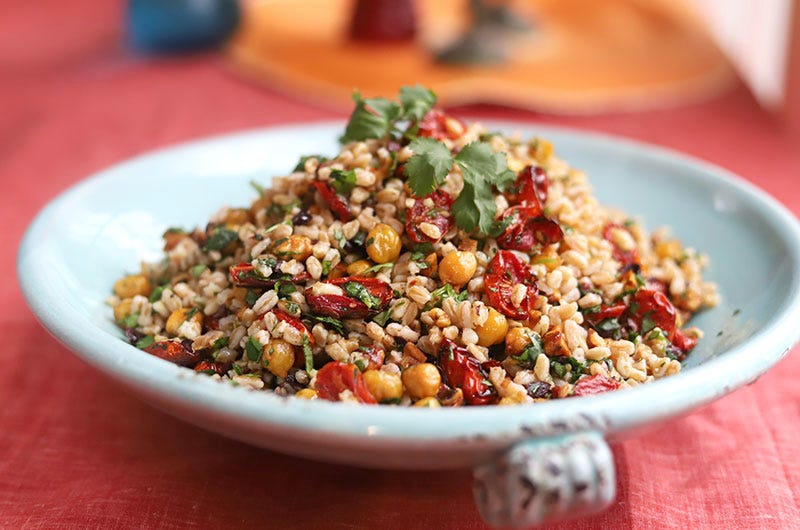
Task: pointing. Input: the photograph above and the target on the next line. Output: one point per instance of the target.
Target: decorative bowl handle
(546, 479)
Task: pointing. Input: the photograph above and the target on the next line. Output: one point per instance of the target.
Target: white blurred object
(755, 35)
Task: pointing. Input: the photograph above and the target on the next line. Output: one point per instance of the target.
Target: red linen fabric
(75, 451)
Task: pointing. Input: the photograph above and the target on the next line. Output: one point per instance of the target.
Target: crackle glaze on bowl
(104, 226)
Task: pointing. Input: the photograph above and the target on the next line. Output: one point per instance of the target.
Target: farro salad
(429, 263)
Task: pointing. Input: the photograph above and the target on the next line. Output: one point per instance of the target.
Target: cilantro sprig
(380, 117)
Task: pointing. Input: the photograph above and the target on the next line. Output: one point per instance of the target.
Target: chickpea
(383, 385)
(293, 247)
(383, 244)
(357, 267)
(494, 330)
(179, 316)
(306, 393)
(458, 267)
(550, 259)
(130, 286)
(428, 402)
(668, 249)
(236, 217)
(122, 309)
(517, 340)
(422, 380)
(278, 357)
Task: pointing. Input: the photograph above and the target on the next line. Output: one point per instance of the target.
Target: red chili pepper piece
(655, 306)
(438, 215)
(626, 257)
(174, 352)
(434, 125)
(212, 367)
(336, 202)
(245, 275)
(528, 228)
(505, 271)
(596, 384)
(463, 371)
(530, 188)
(683, 341)
(335, 377)
(348, 306)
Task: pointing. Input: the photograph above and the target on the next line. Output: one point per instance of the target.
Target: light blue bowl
(86, 238)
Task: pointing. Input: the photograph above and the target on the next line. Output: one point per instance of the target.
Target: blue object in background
(180, 25)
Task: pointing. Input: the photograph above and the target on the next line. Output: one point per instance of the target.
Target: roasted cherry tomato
(596, 384)
(528, 228)
(505, 271)
(211, 368)
(655, 306)
(530, 189)
(299, 353)
(683, 341)
(655, 285)
(463, 371)
(245, 275)
(174, 352)
(606, 311)
(335, 377)
(626, 257)
(336, 202)
(375, 356)
(363, 297)
(438, 214)
(434, 125)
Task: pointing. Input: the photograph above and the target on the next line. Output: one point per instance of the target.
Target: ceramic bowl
(532, 463)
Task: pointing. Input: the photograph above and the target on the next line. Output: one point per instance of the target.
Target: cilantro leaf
(417, 101)
(308, 354)
(145, 341)
(428, 166)
(301, 164)
(371, 118)
(336, 324)
(253, 349)
(475, 207)
(381, 318)
(359, 292)
(220, 238)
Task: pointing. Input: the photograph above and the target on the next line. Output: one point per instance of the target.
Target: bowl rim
(611, 412)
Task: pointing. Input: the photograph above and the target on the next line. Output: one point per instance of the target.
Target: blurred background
(88, 83)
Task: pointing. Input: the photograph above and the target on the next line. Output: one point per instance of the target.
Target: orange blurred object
(618, 54)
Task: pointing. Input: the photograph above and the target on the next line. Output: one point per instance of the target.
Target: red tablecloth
(77, 451)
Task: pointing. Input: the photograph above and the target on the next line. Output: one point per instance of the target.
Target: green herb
(192, 312)
(237, 369)
(656, 335)
(155, 296)
(359, 292)
(173, 230)
(198, 269)
(527, 358)
(609, 325)
(326, 266)
(340, 239)
(390, 401)
(736, 312)
(253, 349)
(640, 280)
(338, 325)
(130, 321)
(291, 307)
(481, 168)
(379, 117)
(359, 238)
(220, 238)
(301, 164)
(378, 267)
(251, 297)
(309, 355)
(591, 310)
(362, 366)
(445, 291)
(428, 166)
(499, 226)
(423, 249)
(220, 343)
(284, 288)
(343, 181)
(578, 368)
(258, 187)
(647, 325)
(558, 368)
(381, 318)
(145, 341)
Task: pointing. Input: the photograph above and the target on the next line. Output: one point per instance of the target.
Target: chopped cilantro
(381, 318)
(527, 358)
(379, 267)
(251, 297)
(220, 343)
(362, 366)
(379, 117)
(359, 292)
(220, 238)
(332, 322)
(647, 325)
(326, 266)
(284, 288)
(341, 241)
(415, 102)
(591, 310)
(198, 269)
(558, 368)
(343, 181)
(130, 321)
(609, 325)
(155, 296)
(309, 355)
(445, 291)
(428, 166)
(253, 349)
(145, 341)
